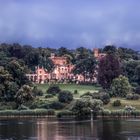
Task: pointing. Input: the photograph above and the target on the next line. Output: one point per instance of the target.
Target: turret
(96, 52)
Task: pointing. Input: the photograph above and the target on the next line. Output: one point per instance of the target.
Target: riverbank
(69, 114)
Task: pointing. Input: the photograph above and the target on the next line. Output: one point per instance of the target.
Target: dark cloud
(70, 23)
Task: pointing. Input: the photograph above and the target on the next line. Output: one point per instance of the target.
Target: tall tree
(109, 68)
(86, 67)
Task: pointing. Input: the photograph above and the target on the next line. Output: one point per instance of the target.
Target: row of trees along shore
(118, 70)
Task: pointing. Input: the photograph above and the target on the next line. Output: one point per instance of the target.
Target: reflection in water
(50, 129)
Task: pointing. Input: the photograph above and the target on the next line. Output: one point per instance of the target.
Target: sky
(71, 23)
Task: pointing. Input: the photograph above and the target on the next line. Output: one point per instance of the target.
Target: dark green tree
(109, 68)
(86, 67)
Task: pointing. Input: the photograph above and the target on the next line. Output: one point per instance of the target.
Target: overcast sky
(70, 23)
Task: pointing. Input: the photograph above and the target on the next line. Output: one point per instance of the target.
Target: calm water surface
(51, 129)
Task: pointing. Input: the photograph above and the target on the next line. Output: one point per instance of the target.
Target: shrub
(137, 90)
(49, 96)
(53, 89)
(65, 96)
(105, 98)
(56, 105)
(94, 95)
(75, 91)
(39, 104)
(7, 105)
(120, 86)
(132, 97)
(136, 97)
(82, 107)
(96, 105)
(98, 95)
(117, 103)
(37, 92)
(129, 108)
(23, 107)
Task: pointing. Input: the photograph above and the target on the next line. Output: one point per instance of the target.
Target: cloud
(70, 23)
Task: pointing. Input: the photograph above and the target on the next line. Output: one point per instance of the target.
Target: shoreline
(68, 114)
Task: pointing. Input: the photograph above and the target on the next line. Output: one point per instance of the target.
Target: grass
(89, 88)
(7, 110)
(36, 112)
(124, 102)
(72, 87)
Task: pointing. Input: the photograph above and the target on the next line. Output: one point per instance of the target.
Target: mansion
(62, 71)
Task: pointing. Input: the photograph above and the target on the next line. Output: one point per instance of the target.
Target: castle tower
(52, 55)
(96, 52)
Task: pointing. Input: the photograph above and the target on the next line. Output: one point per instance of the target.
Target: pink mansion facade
(62, 71)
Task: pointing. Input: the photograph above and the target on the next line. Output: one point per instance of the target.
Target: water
(51, 129)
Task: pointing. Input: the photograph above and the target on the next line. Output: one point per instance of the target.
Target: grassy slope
(124, 102)
(85, 88)
(71, 87)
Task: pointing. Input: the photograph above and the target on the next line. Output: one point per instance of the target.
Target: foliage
(65, 113)
(56, 105)
(137, 90)
(8, 88)
(37, 92)
(76, 91)
(131, 70)
(129, 108)
(86, 67)
(37, 112)
(65, 96)
(137, 74)
(39, 104)
(53, 89)
(82, 53)
(109, 68)
(105, 98)
(23, 107)
(110, 49)
(23, 95)
(116, 103)
(120, 86)
(132, 97)
(96, 105)
(49, 96)
(83, 107)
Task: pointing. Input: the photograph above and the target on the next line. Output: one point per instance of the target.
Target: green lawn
(124, 102)
(71, 87)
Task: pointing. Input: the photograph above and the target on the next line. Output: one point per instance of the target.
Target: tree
(23, 95)
(82, 53)
(18, 71)
(128, 54)
(109, 68)
(83, 107)
(131, 70)
(86, 67)
(96, 105)
(137, 74)
(120, 86)
(110, 49)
